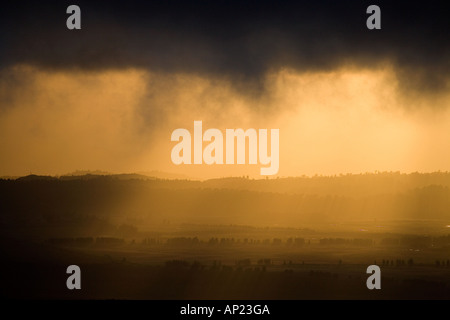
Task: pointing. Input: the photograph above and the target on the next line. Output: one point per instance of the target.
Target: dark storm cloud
(241, 40)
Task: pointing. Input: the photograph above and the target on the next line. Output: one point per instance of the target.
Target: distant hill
(123, 176)
(9, 177)
(354, 185)
(33, 177)
(94, 202)
(87, 174)
(164, 175)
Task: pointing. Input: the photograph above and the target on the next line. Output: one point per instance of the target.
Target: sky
(107, 97)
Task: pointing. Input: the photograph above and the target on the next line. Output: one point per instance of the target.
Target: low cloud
(239, 42)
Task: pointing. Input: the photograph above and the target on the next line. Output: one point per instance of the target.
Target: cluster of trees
(227, 241)
(410, 263)
(405, 241)
(342, 241)
(240, 265)
(151, 241)
(84, 241)
(187, 241)
(343, 184)
(443, 263)
(413, 241)
(397, 262)
(183, 241)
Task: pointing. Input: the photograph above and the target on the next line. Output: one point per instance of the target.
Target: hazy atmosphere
(87, 176)
(353, 102)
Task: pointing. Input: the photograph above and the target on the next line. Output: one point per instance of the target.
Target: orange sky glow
(343, 121)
